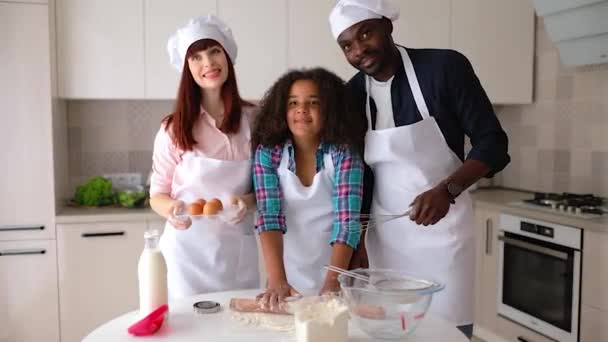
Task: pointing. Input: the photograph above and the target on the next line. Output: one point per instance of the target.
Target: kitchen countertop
(91, 215)
(492, 198)
(502, 200)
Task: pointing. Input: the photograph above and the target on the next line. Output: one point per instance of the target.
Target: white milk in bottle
(152, 273)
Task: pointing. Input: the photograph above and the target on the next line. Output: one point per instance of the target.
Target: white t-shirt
(381, 93)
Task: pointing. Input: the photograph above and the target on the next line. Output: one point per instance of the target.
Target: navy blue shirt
(454, 97)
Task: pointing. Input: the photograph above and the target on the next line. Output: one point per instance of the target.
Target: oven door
(539, 285)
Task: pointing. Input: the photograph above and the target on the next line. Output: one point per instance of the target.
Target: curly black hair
(340, 124)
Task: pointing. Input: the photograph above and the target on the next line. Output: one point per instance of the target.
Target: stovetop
(580, 205)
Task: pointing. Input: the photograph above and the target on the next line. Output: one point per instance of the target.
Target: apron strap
(368, 112)
(328, 161)
(246, 123)
(414, 85)
(284, 158)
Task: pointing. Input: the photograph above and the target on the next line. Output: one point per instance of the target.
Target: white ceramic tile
(599, 138)
(547, 65)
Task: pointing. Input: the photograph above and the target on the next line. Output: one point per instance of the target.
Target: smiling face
(304, 110)
(209, 67)
(367, 45)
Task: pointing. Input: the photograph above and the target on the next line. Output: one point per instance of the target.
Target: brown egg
(195, 208)
(201, 201)
(213, 207)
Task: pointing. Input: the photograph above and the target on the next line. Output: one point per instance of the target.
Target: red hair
(188, 103)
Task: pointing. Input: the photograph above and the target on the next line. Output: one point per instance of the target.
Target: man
(419, 104)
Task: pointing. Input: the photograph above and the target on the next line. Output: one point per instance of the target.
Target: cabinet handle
(9, 252)
(96, 235)
(19, 228)
(488, 236)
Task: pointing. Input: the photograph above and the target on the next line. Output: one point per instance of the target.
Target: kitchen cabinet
(97, 273)
(486, 268)
(28, 288)
(595, 270)
(594, 325)
(498, 38)
(310, 42)
(276, 35)
(100, 49)
(29, 2)
(27, 209)
(594, 297)
(423, 24)
(260, 30)
(162, 18)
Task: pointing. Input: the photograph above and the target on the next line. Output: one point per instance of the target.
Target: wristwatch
(454, 190)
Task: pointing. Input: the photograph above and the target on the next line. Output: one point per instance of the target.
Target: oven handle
(534, 248)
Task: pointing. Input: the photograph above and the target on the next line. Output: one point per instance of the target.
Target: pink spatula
(149, 324)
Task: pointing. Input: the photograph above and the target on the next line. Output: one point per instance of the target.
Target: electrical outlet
(124, 180)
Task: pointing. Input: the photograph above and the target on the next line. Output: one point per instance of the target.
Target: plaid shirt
(347, 192)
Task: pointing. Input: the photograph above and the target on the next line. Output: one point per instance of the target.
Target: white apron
(407, 161)
(211, 256)
(309, 217)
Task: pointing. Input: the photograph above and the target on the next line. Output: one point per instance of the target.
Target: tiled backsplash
(560, 142)
(112, 136)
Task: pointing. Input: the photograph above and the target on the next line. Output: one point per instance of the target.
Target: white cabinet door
(422, 23)
(310, 42)
(594, 324)
(486, 268)
(162, 19)
(29, 2)
(595, 270)
(97, 274)
(28, 291)
(25, 131)
(260, 31)
(498, 38)
(100, 49)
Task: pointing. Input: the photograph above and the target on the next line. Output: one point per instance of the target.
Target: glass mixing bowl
(391, 305)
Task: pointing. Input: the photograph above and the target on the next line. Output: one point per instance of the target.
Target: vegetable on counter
(131, 199)
(96, 192)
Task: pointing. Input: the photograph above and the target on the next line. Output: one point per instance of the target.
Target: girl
(308, 177)
(203, 150)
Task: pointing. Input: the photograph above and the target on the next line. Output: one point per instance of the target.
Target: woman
(203, 150)
(308, 183)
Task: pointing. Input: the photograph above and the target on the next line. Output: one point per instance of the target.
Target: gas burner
(575, 204)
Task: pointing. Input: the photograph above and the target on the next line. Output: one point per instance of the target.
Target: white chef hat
(346, 13)
(206, 27)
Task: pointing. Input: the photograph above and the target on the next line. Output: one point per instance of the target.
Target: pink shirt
(211, 143)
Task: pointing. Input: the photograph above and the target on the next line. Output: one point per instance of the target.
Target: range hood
(579, 29)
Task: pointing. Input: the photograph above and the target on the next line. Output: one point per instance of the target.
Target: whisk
(369, 221)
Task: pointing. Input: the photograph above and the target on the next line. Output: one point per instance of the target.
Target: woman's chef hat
(207, 27)
(346, 13)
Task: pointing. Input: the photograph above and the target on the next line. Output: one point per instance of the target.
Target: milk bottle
(152, 273)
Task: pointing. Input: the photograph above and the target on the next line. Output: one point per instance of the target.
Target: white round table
(185, 325)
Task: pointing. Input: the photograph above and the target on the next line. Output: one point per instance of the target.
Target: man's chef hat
(346, 13)
(207, 27)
